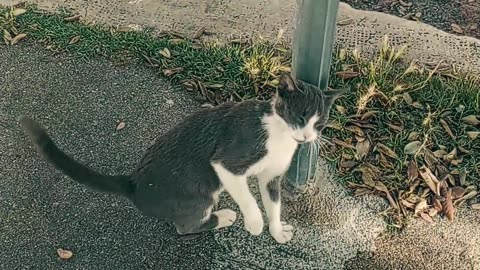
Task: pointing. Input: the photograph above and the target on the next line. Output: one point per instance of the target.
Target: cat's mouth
(300, 141)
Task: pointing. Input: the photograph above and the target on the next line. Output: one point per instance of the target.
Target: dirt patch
(464, 13)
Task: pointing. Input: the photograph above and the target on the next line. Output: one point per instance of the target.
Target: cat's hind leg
(216, 220)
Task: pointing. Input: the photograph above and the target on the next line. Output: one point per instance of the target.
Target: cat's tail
(119, 184)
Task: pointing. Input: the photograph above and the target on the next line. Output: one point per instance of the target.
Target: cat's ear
(332, 94)
(286, 84)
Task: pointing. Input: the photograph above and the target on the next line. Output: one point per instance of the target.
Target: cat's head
(304, 107)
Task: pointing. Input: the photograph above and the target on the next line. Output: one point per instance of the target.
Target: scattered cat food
(120, 125)
(64, 254)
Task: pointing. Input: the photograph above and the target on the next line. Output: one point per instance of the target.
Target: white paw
(254, 222)
(226, 217)
(282, 233)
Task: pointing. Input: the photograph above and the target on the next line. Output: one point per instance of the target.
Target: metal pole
(312, 55)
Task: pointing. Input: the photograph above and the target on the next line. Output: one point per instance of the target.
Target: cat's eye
(302, 120)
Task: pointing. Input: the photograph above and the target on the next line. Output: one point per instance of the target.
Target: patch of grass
(391, 104)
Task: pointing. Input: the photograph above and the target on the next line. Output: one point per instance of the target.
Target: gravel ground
(41, 210)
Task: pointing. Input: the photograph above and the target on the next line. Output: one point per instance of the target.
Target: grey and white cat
(182, 174)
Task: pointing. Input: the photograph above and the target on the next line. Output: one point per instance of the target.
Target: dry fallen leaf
(447, 205)
(340, 109)
(432, 212)
(475, 206)
(456, 28)
(348, 164)
(471, 120)
(386, 150)
(72, 18)
(342, 143)
(426, 217)
(412, 171)
(17, 38)
(368, 115)
(120, 125)
(381, 187)
(171, 71)
(362, 149)
(165, 53)
(199, 33)
(64, 254)
(412, 147)
(430, 179)
(437, 205)
(344, 75)
(408, 99)
(345, 21)
(447, 128)
(457, 192)
(407, 204)
(473, 134)
(74, 40)
(404, 4)
(18, 11)
(420, 206)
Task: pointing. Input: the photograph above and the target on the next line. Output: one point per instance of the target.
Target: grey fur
(175, 180)
(273, 188)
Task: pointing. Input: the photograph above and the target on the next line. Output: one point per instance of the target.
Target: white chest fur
(280, 148)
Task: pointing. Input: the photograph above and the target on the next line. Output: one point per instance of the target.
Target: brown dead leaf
(348, 164)
(456, 28)
(17, 38)
(72, 18)
(440, 153)
(437, 205)
(381, 187)
(447, 128)
(18, 11)
(64, 254)
(356, 130)
(420, 206)
(471, 120)
(368, 115)
(199, 33)
(447, 205)
(432, 212)
(404, 4)
(407, 204)
(343, 144)
(412, 171)
(430, 179)
(408, 99)
(362, 148)
(457, 192)
(165, 52)
(340, 109)
(120, 125)
(418, 105)
(386, 150)
(412, 147)
(413, 136)
(395, 128)
(362, 191)
(74, 40)
(426, 217)
(172, 71)
(473, 134)
(345, 75)
(345, 22)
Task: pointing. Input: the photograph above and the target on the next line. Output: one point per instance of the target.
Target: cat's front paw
(282, 232)
(254, 222)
